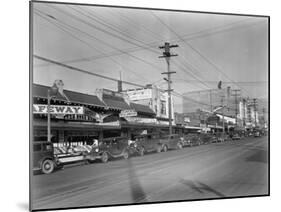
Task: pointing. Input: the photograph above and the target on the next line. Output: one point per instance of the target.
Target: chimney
(119, 85)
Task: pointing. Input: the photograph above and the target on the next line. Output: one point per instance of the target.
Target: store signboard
(58, 109)
(163, 96)
(135, 95)
(142, 120)
(187, 119)
(127, 113)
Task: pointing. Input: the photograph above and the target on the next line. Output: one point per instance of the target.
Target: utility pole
(211, 100)
(222, 104)
(167, 55)
(255, 110)
(244, 112)
(263, 113)
(236, 94)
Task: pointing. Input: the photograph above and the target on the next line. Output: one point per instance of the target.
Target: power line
(178, 37)
(108, 78)
(84, 71)
(154, 44)
(107, 44)
(98, 28)
(86, 43)
(194, 49)
(118, 49)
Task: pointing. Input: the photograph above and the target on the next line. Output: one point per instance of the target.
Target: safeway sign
(58, 109)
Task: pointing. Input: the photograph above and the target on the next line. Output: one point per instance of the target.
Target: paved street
(209, 171)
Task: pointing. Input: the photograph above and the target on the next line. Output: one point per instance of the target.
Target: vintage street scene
(133, 106)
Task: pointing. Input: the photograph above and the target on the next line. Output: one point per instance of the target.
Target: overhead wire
(83, 21)
(105, 43)
(104, 77)
(197, 51)
(86, 43)
(119, 50)
(154, 44)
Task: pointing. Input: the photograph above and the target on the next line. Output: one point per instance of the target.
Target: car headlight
(97, 149)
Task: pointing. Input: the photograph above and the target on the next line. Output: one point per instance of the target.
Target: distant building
(248, 113)
(207, 100)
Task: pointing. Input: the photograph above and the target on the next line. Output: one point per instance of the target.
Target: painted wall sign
(128, 113)
(139, 94)
(58, 109)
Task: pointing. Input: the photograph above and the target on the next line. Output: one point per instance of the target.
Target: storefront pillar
(101, 135)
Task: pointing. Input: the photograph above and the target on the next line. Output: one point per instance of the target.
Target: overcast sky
(124, 42)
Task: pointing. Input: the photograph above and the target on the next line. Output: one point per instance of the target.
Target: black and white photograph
(132, 105)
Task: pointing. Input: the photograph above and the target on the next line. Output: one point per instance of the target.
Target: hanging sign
(128, 113)
(58, 109)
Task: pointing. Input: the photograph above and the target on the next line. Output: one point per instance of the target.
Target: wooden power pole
(167, 55)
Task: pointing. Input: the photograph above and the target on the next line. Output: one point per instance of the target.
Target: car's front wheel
(126, 155)
(48, 166)
(179, 146)
(104, 157)
(141, 151)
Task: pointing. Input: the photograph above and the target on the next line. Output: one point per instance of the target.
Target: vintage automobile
(172, 141)
(222, 137)
(206, 138)
(147, 143)
(236, 136)
(43, 157)
(257, 133)
(114, 147)
(191, 139)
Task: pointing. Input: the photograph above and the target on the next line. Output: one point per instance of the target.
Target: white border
(14, 93)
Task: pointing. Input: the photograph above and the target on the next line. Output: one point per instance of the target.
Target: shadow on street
(200, 187)
(137, 192)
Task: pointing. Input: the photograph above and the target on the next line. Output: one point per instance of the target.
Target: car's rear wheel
(104, 157)
(141, 151)
(126, 155)
(48, 166)
(165, 148)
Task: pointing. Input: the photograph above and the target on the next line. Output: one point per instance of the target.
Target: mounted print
(140, 105)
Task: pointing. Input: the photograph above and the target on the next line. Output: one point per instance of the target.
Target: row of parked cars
(46, 157)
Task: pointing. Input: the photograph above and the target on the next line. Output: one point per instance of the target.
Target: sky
(124, 43)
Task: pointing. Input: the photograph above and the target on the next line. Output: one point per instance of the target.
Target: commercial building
(155, 98)
(81, 118)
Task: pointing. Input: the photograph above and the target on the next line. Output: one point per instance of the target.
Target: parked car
(222, 137)
(236, 136)
(147, 143)
(43, 157)
(191, 139)
(115, 147)
(257, 134)
(172, 141)
(205, 138)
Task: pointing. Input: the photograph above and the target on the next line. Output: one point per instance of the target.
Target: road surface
(235, 168)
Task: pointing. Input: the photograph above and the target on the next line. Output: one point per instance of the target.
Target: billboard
(139, 94)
